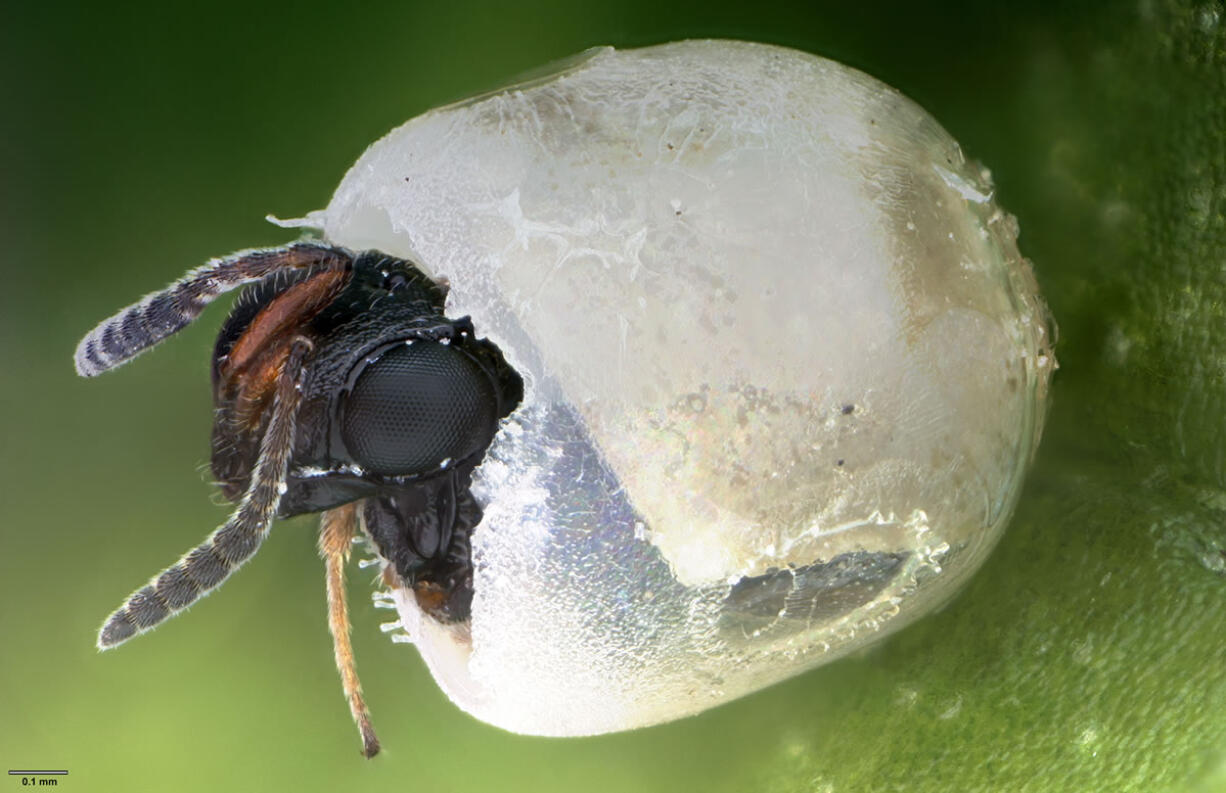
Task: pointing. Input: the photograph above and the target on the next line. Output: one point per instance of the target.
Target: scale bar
(38, 773)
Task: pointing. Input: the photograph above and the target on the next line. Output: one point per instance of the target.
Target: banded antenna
(204, 568)
(140, 326)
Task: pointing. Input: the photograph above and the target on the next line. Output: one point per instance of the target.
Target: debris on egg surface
(784, 370)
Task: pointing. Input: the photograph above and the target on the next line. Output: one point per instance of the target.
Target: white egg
(784, 364)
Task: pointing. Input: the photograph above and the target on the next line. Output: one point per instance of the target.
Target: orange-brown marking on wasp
(248, 372)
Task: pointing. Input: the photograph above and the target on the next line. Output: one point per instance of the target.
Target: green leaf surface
(1088, 655)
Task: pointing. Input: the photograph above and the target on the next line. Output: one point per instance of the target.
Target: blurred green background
(138, 140)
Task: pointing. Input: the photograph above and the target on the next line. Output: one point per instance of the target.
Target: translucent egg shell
(784, 370)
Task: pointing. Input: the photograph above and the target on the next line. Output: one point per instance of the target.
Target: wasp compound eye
(417, 405)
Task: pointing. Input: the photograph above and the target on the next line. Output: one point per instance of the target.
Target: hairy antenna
(203, 569)
(142, 325)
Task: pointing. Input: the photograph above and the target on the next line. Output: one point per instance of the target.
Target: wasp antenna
(142, 325)
(204, 568)
(337, 530)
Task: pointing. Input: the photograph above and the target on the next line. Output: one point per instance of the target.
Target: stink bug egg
(784, 370)
(651, 382)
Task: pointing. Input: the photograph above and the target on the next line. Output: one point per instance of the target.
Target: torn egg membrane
(784, 370)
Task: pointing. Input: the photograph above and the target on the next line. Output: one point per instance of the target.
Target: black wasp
(340, 387)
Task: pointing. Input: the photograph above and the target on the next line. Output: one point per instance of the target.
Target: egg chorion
(784, 368)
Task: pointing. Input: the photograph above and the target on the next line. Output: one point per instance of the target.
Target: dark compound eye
(416, 406)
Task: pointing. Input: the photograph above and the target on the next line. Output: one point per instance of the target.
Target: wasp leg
(207, 566)
(336, 533)
(142, 325)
